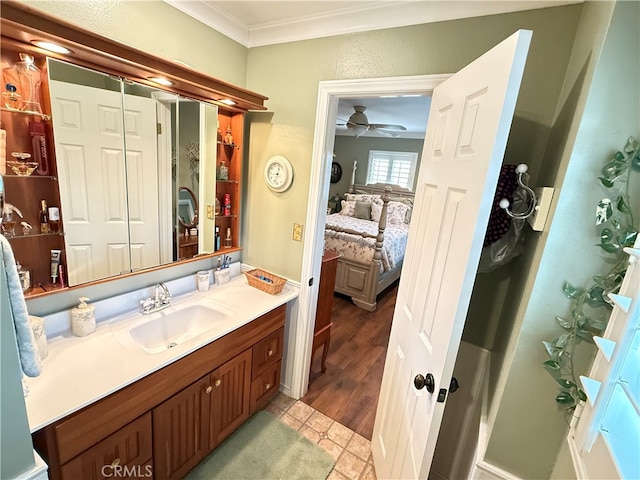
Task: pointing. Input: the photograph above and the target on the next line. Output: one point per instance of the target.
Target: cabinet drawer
(267, 352)
(124, 454)
(265, 387)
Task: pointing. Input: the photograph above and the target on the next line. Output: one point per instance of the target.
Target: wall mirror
(129, 171)
(187, 208)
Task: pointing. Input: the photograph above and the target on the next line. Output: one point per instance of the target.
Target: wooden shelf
(43, 116)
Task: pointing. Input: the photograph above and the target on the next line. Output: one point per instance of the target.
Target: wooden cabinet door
(181, 431)
(125, 454)
(230, 396)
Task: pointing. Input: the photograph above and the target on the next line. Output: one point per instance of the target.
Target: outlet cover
(297, 232)
(210, 211)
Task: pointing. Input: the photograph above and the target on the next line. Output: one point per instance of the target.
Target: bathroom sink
(174, 326)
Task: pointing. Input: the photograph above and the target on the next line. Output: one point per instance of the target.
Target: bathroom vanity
(103, 402)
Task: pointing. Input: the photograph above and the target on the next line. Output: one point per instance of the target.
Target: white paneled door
(469, 122)
(90, 152)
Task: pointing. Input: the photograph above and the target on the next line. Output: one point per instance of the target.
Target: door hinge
(159, 128)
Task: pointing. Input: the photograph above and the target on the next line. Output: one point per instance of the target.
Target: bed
(370, 233)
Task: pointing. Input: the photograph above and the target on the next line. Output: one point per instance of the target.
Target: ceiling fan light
(358, 130)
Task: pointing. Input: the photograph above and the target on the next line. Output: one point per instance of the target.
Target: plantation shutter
(397, 168)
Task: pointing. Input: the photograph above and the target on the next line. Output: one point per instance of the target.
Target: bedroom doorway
(348, 391)
(329, 95)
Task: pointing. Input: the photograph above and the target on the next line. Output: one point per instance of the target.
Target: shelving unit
(231, 154)
(25, 192)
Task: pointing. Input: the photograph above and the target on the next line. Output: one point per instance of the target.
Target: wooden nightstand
(322, 332)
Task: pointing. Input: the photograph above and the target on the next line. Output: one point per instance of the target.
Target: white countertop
(81, 370)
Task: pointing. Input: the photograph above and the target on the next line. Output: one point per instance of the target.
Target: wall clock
(336, 172)
(278, 173)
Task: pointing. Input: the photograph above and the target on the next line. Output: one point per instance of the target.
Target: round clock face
(278, 173)
(336, 172)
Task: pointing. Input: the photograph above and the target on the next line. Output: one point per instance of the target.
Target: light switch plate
(297, 232)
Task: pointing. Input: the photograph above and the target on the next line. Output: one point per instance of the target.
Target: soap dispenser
(83, 320)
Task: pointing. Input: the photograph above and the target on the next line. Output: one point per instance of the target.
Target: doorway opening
(324, 146)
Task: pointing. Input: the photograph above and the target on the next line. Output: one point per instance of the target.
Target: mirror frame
(20, 23)
(194, 222)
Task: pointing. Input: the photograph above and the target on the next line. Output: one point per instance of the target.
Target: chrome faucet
(161, 299)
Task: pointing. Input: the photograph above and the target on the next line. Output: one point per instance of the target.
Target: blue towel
(27, 348)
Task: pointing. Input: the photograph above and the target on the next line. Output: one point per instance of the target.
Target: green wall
(289, 74)
(16, 452)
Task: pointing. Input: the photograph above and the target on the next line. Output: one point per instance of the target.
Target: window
(396, 168)
(606, 437)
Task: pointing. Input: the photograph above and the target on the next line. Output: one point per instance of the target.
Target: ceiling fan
(359, 124)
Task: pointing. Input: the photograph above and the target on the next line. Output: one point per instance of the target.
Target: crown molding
(362, 16)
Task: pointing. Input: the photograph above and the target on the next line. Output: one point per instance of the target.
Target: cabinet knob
(270, 353)
(218, 382)
(115, 463)
(267, 386)
(208, 390)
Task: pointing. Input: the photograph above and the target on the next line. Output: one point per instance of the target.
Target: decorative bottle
(223, 171)
(228, 137)
(227, 240)
(54, 219)
(30, 81)
(39, 143)
(44, 217)
(216, 239)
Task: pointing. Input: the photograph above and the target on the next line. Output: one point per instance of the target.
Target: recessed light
(227, 101)
(52, 47)
(161, 81)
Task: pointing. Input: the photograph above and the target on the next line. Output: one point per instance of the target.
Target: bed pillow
(362, 210)
(359, 197)
(348, 208)
(397, 213)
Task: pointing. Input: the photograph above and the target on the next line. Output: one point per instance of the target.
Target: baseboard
(38, 472)
(483, 470)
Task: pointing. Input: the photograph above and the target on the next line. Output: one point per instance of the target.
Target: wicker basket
(273, 285)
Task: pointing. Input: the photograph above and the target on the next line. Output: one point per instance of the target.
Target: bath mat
(265, 448)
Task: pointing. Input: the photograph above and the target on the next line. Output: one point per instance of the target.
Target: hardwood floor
(348, 391)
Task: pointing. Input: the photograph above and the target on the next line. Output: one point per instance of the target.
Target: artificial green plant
(590, 306)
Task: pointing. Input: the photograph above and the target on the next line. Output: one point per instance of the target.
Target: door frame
(329, 94)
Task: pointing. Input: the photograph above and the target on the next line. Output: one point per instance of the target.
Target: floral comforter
(355, 238)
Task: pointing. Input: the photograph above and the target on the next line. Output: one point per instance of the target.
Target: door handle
(421, 381)
(453, 385)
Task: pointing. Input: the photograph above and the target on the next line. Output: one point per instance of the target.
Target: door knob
(454, 385)
(420, 382)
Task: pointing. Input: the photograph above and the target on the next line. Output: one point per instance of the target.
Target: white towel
(27, 348)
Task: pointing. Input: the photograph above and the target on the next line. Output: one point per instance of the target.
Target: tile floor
(351, 451)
